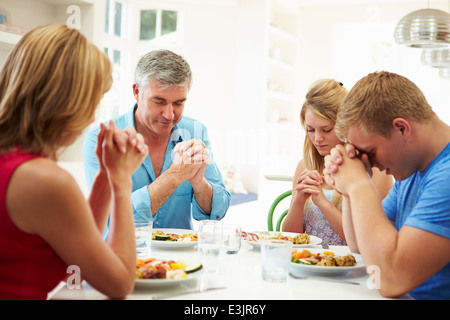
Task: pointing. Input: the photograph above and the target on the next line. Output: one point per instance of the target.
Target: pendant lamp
(424, 28)
(436, 57)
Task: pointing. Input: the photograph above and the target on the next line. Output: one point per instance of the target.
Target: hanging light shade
(436, 57)
(425, 28)
(444, 72)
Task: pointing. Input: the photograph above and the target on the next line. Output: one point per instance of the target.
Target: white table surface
(241, 275)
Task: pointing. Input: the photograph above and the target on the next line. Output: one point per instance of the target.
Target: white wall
(346, 42)
(210, 48)
(219, 43)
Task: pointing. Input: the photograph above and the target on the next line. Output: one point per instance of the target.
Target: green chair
(272, 210)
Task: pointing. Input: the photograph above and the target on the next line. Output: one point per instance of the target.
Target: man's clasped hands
(190, 157)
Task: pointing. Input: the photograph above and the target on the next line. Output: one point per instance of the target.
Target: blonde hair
(323, 98)
(50, 86)
(377, 99)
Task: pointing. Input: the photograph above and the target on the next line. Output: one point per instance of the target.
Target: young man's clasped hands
(345, 163)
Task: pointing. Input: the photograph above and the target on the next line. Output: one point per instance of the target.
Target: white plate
(174, 244)
(266, 234)
(299, 268)
(144, 283)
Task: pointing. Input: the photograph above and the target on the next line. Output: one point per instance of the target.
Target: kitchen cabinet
(268, 103)
(24, 15)
(283, 136)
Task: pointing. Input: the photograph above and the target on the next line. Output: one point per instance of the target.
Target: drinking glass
(231, 238)
(143, 234)
(275, 260)
(209, 244)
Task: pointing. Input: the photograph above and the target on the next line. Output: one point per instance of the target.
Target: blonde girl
(315, 206)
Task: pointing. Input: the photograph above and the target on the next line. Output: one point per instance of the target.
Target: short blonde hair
(50, 86)
(377, 99)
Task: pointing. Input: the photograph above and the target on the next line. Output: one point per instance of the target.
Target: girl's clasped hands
(309, 183)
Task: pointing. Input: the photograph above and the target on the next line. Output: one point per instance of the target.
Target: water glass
(275, 260)
(209, 244)
(231, 238)
(143, 234)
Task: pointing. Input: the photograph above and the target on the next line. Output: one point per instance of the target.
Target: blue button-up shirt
(181, 206)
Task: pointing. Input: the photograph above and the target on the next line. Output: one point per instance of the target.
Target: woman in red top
(50, 86)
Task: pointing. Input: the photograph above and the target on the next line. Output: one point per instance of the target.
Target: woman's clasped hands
(120, 152)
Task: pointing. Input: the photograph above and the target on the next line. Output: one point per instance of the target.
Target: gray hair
(165, 66)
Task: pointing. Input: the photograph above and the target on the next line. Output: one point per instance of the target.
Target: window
(113, 17)
(155, 24)
(159, 26)
(116, 47)
(133, 28)
(118, 19)
(111, 102)
(148, 25)
(168, 22)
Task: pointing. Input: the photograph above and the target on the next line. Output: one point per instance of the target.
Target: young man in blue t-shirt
(389, 124)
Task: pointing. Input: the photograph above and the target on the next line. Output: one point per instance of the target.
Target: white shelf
(281, 114)
(8, 40)
(275, 176)
(280, 96)
(281, 65)
(282, 35)
(27, 14)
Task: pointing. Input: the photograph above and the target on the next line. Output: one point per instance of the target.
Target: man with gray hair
(178, 180)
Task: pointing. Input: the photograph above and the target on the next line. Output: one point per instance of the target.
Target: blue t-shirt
(179, 209)
(423, 201)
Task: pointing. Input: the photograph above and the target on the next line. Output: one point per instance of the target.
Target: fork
(179, 293)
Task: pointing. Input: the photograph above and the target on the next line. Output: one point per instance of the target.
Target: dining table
(239, 278)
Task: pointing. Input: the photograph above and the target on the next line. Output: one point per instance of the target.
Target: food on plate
(153, 268)
(345, 261)
(301, 238)
(193, 267)
(249, 236)
(327, 261)
(161, 236)
(323, 259)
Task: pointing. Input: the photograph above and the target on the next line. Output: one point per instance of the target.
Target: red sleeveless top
(29, 268)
